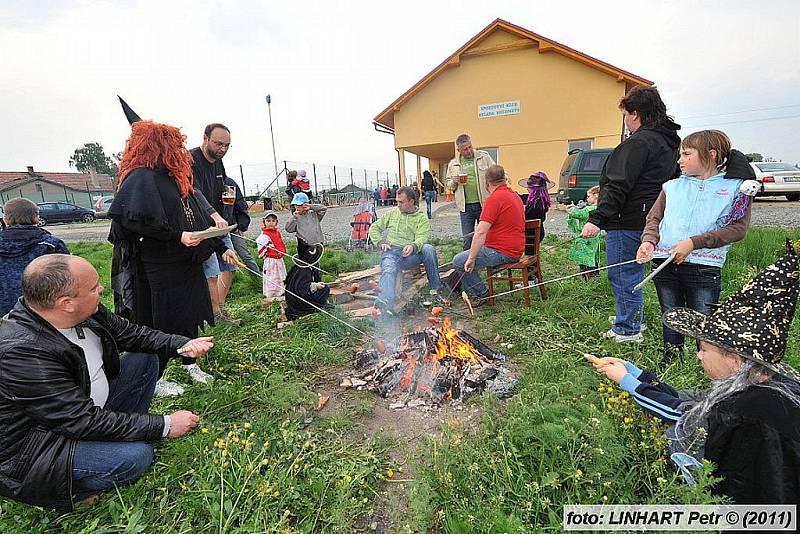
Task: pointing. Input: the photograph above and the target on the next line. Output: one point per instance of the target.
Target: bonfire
(435, 365)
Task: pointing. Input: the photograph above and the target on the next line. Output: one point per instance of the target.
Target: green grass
(264, 459)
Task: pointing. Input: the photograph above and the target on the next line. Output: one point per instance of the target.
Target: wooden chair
(528, 265)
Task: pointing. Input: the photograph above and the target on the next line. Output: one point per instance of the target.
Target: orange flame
(450, 345)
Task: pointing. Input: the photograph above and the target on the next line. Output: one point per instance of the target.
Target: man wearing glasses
(209, 178)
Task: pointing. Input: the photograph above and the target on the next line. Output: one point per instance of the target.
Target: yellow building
(524, 98)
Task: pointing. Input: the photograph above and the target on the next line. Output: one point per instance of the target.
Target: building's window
(492, 152)
(38, 188)
(580, 144)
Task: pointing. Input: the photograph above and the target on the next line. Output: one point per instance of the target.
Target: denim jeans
(686, 285)
(100, 465)
(469, 220)
(487, 257)
(621, 245)
(430, 198)
(392, 262)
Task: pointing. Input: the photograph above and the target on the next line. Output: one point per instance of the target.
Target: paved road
(445, 223)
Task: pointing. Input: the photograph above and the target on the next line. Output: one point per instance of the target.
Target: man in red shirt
(499, 238)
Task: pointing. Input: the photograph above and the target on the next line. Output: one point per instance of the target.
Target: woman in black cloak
(157, 274)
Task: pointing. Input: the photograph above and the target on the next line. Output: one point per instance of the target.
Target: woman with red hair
(157, 273)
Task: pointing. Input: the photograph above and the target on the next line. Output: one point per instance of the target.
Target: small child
(303, 183)
(306, 223)
(585, 251)
(272, 249)
(746, 421)
(697, 217)
(537, 201)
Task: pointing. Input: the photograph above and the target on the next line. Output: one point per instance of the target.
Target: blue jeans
(469, 220)
(430, 198)
(487, 257)
(621, 245)
(100, 465)
(686, 285)
(214, 265)
(392, 262)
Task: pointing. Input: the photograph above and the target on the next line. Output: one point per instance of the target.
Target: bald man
(73, 411)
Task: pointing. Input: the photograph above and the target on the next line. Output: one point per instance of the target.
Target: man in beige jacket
(466, 177)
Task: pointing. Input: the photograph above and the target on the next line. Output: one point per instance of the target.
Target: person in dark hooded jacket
(20, 243)
(306, 293)
(630, 182)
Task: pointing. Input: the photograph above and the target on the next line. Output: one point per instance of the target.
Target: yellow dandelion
(247, 425)
(204, 430)
(578, 473)
(389, 473)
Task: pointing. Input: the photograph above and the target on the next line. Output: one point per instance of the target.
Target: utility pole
(272, 134)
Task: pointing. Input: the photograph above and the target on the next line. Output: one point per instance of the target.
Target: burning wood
(438, 364)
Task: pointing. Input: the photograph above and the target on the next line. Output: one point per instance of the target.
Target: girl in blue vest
(697, 217)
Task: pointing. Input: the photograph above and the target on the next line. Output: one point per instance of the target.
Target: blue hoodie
(20, 244)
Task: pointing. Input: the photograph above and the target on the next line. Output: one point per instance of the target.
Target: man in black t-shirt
(209, 178)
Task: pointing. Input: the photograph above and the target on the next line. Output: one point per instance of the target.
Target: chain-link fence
(332, 185)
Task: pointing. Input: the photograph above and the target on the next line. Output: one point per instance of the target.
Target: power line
(745, 121)
(738, 112)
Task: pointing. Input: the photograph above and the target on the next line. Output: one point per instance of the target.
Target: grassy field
(264, 459)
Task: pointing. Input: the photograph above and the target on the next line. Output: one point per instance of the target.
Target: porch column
(419, 172)
(401, 156)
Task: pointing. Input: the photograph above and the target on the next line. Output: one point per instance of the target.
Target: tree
(92, 156)
(755, 156)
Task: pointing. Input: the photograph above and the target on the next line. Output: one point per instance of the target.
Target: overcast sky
(332, 66)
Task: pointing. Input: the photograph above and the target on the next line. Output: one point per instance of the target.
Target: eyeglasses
(219, 145)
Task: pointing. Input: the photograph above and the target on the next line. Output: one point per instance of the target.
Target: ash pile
(429, 367)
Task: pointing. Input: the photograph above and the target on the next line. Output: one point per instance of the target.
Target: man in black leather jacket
(73, 412)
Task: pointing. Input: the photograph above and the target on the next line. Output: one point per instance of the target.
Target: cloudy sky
(332, 66)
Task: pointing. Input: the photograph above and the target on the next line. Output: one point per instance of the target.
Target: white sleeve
(263, 241)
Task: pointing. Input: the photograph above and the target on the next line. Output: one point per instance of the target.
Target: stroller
(363, 217)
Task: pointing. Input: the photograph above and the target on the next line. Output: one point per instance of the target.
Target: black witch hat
(131, 115)
(754, 322)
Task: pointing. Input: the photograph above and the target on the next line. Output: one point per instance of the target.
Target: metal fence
(331, 184)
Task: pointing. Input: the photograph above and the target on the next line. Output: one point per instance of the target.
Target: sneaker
(165, 388)
(613, 319)
(227, 320)
(197, 374)
(437, 297)
(620, 338)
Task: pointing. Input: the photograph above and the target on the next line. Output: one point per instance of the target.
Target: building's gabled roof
(72, 180)
(527, 38)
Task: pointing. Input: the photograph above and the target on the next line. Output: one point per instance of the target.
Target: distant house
(74, 187)
(524, 98)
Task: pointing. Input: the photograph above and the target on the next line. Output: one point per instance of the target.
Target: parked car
(778, 178)
(101, 207)
(53, 212)
(580, 171)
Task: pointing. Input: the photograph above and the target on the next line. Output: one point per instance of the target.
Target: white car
(778, 178)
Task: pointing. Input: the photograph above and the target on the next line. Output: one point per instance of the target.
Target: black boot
(671, 351)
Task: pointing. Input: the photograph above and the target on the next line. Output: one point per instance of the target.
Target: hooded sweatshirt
(20, 244)
(633, 175)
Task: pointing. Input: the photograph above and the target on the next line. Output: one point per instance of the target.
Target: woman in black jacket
(629, 185)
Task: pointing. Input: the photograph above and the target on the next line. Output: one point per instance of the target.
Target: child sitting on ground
(585, 251)
(272, 250)
(305, 222)
(746, 422)
(697, 217)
